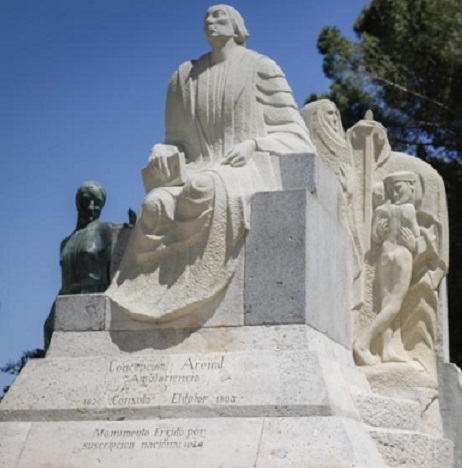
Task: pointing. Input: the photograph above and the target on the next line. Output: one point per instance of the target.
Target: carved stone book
(177, 167)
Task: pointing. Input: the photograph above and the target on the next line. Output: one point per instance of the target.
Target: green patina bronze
(86, 254)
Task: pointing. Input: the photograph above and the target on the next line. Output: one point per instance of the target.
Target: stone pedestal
(262, 377)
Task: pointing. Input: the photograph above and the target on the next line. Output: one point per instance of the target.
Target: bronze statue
(85, 255)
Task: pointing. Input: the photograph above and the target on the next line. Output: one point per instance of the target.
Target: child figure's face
(402, 192)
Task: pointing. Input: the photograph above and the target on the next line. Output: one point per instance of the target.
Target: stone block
(229, 443)
(243, 384)
(317, 442)
(310, 172)
(155, 342)
(81, 312)
(298, 265)
(413, 450)
(12, 439)
(451, 407)
(380, 411)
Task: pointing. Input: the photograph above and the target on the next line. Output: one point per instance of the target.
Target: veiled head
(226, 20)
(325, 114)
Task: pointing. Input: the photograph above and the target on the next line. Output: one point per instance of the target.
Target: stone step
(410, 449)
(385, 412)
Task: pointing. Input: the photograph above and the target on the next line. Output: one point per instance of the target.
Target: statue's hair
(94, 187)
(240, 30)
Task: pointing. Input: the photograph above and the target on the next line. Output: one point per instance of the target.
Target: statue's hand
(158, 161)
(159, 166)
(409, 239)
(240, 154)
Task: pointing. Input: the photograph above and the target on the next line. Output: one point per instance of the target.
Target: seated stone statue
(229, 115)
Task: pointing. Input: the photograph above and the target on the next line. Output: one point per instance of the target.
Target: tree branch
(413, 93)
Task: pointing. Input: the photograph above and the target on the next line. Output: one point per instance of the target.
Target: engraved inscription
(177, 437)
(164, 381)
(195, 364)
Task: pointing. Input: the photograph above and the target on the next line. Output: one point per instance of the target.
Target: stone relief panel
(398, 224)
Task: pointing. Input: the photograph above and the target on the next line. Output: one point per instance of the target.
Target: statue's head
(90, 199)
(225, 20)
(401, 187)
(323, 117)
(329, 113)
(323, 112)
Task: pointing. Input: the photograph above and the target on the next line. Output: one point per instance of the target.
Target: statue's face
(330, 113)
(218, 24)
(402, 192)
(89, 205)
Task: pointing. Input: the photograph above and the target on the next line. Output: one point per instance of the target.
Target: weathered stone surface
(226, 339)
(451, 407)
(380, 411)
(309, 172)
(317, 442)
(189, 385)
(297, 268)
(143, 444)
(226, 309)
(428, 400)
(413, 450)
(12, 439)
(81, 312)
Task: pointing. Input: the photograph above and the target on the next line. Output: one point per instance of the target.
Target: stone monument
(226, 337)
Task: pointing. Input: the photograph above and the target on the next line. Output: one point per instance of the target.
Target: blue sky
(82, 94)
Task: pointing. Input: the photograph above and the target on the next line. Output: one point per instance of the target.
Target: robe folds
(186, 243)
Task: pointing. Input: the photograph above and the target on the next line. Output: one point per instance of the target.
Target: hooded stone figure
(229, 115)
(324, 123)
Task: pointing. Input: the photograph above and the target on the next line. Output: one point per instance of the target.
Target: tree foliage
(406, 66)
